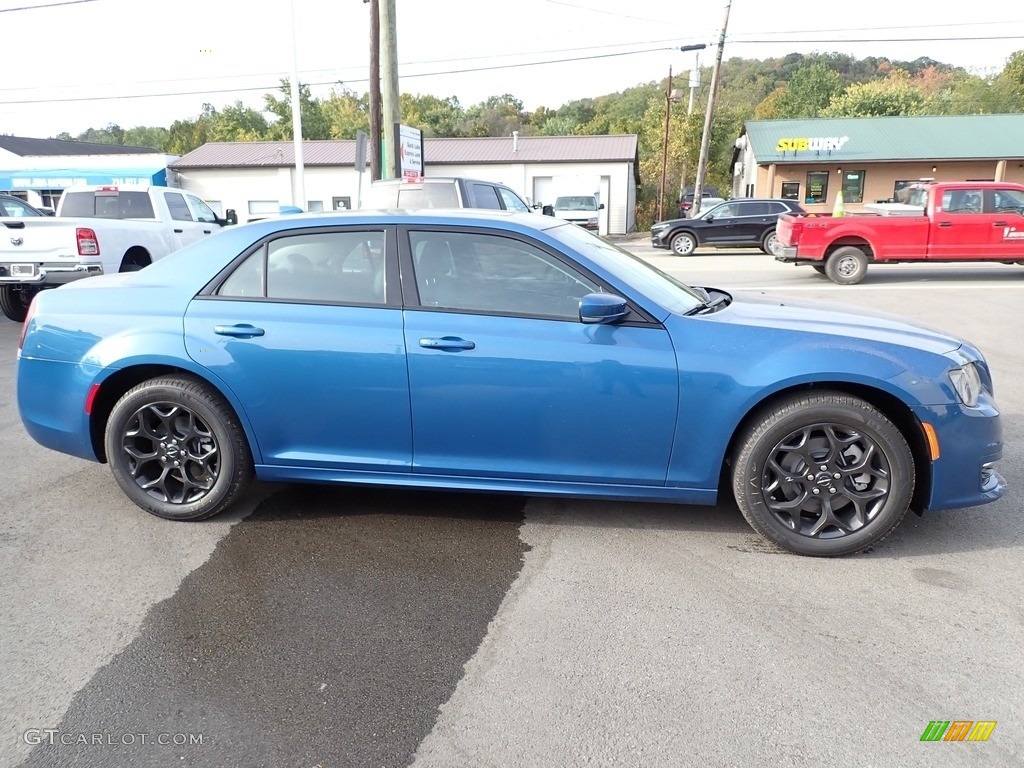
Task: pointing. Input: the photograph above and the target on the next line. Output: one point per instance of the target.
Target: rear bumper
(41, 273)
(785, 253)
(51, 398)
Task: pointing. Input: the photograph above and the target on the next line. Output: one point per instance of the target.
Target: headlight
(658, 228)
(967, 383)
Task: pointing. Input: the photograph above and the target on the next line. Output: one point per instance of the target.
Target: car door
(185, 230)
(203, 215)
(1006, 206)
(752, 219)
(961, 229)
(505, 381)
(719, 225)
(306, 331)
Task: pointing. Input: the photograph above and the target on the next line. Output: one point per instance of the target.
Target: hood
(833, 319)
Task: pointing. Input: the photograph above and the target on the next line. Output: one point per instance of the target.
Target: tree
(238, 123)
(497, 116)
(315, 124)
(434, 116)
(893, 96)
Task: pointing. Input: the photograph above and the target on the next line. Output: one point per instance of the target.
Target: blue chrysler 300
(501, 352)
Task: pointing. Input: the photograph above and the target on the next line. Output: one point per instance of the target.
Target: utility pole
(664, 145)
(694, 87)
(705, 139)
(299, 184)
(389, 86)
(375, 137)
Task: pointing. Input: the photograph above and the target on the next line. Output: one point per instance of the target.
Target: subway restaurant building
(872, 158)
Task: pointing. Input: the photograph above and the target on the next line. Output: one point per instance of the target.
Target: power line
(45, 5)
(882, 40)
(215, 78)
(494, 67)
(329, 82)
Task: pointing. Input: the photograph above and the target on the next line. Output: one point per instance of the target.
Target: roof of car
(452, 216)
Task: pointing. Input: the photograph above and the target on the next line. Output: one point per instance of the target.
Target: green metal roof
(953, 137)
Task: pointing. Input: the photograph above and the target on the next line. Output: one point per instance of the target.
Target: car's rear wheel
(684, 244)
(819, 268)
(768, 242)
(823, 474)
(847, 266)
(14, 302)
(176, 449)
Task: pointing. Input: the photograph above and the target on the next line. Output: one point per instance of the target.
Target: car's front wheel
(823, 474)
(176, 449)
(684, 244)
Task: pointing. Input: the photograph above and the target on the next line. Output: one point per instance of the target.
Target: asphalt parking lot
(341, 627)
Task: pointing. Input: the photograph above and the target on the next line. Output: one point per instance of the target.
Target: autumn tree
(895, 95)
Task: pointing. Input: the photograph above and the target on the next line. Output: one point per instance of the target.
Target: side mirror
(231, 217)
(548, 210)
(602, 308)
(600, 207)
(709, 218)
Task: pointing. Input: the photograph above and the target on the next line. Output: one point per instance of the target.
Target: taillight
(28, 319)
(88, 245)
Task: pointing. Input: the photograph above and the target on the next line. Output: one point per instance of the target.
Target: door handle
(239, 331)
(998, 223)
(447, 342)
(207, 231)
(945, 224)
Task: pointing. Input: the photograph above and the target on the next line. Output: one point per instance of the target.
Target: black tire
(823, 474)
(683, 244)
(14, 302)
(768, 242)
(202, 466)
(819, 268)
(847, 266)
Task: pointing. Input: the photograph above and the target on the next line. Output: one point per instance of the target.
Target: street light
(672, 96)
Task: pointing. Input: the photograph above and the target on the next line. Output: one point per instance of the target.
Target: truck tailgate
(39, 240)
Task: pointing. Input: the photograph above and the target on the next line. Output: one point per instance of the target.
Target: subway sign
(812, 143)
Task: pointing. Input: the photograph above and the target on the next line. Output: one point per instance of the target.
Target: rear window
(428, 196)
(107, 205)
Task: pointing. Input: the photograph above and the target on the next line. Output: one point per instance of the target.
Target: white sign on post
(410, 152)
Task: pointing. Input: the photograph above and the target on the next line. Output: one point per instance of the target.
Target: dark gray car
(733, 224)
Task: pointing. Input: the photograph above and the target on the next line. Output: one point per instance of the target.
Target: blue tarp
(63, 178)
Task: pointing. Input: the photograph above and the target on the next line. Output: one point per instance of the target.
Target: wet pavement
(326, 629)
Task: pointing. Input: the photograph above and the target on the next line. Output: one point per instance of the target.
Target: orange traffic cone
(839, 209)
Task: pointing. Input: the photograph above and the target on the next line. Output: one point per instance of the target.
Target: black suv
(734, 224)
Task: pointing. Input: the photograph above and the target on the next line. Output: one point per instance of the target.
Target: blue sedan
(501, 352)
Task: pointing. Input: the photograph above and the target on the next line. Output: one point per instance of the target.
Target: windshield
(670, 293)
(576, 203)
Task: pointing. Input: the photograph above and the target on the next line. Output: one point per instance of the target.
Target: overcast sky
(74, 66)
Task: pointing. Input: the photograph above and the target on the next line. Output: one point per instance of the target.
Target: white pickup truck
(97, 230)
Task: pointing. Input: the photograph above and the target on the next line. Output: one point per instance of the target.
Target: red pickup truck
(939, 222)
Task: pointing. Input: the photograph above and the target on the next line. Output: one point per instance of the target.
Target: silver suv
(445, 192)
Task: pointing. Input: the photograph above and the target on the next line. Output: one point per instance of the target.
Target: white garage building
(256, 178)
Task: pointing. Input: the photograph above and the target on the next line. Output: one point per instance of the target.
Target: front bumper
(970, 444)
(657, 241)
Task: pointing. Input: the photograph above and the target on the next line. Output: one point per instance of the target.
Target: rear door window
(484, 196)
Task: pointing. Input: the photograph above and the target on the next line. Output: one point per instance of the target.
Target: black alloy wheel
(176, 449)
(824, 474)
